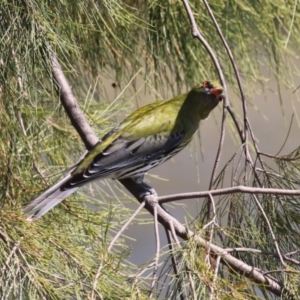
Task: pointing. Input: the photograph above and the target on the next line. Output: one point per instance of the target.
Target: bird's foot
(138, 187)
(144, 190)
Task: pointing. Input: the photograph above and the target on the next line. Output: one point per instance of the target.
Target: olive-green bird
(145, 139)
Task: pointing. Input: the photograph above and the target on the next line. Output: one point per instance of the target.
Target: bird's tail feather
(48, 199)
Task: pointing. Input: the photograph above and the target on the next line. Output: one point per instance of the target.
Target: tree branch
(70, 104)
(167, 221)
(231, 190)
(227, 259)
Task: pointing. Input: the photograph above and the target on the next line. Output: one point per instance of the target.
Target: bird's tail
(48, 199)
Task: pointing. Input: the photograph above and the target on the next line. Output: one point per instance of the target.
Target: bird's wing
(126, 154)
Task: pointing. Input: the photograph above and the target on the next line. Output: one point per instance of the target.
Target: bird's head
(205, 97)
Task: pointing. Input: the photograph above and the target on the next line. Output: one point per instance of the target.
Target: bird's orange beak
(217, 92)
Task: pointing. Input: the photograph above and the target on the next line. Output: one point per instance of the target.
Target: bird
(148, 137)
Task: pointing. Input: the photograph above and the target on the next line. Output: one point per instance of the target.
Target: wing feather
(126, 154)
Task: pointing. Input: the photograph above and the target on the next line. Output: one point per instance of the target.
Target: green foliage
(58, 257)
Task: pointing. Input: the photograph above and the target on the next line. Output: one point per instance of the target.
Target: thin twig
(237, 75)
(175, 238)
(192, 284)
(280, 158)
(212, 288)
(247, 126)
(212, 223)
(197, 34)
(12, 252)
(270, 229)
(293, 252)
(252, 250)
(231, 190)
(175, 264)
(142, 205)
(292, 24)
(112, 244)
(237, 124)
(157, 239)
(287, 136)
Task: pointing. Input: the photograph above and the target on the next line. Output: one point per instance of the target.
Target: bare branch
(174, 261)
(251, 250)
(270, 228)
(125, 226)
(212, 288)
(157, 239)
(197, 34)
(231, 190)
(71, 106)
(232, 262)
